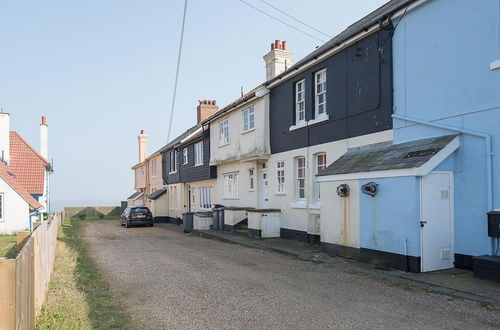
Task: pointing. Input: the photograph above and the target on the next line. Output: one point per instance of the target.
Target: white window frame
(205, 197)
(142, 170)
(231, 185)
(185, 159)
(300, 178)
(173, 161)
(198, 154)
(251, 179)
(248, 116)
(173, 198)
(318, 167)
(280, 177)
(317, 94)
(300, 102)
(223, 132)
(2, 207)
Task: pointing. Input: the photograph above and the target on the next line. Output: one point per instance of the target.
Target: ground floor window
(251, 177)
(205, 197)
(231, 185)
(173, 197)
(280, 177)
(300, 178)
(320, 166)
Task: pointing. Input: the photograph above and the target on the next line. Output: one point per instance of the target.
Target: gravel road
(170, 280)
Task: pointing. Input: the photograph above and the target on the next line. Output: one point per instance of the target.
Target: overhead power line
(281, 21)
(177, 71)
(295, 19)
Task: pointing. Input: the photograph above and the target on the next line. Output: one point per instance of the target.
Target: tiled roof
(134, 195)
(392, 157)
(11, 179)
(157, 193)
(28, 165)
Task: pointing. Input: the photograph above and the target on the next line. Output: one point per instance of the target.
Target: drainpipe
(489, 154)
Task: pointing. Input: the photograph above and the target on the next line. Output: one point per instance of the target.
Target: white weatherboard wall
(340, 216)
(16, 211)
(302, 215)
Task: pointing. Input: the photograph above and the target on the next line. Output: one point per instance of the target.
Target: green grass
(78, 296)
(8, 245)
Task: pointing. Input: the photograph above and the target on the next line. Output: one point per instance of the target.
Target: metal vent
(445, 254)
(445, 194)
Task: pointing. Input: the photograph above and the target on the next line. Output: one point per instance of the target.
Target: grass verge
(8, 245)
(78, 296)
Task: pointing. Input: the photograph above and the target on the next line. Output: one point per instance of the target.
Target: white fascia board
(423, 170)
(262, 91)
(368, 175)
(495, 65)
(192, 135)
(439, 157)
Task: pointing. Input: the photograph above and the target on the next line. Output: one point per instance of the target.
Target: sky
(101, 71)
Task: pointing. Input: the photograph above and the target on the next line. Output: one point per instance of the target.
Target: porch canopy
(135, 196)
(157, 194)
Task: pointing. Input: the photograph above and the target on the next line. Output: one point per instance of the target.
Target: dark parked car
(136, 216)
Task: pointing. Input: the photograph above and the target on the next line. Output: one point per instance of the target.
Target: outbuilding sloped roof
(157, 193)
(11, 179)
(390, 157)
(28, 165)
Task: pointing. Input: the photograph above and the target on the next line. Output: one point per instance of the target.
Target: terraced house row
(383, 144)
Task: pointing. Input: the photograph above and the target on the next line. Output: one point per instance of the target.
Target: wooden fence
(24, 280)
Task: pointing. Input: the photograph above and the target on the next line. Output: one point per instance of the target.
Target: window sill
(280, 194)
(248, 131)
(298, 205)
(198, 165)
(231, 198)
(495, 65)
(319, 119)
(223, 145)
(297, 126)
(251, 190)
(172, 172)
(315, 206)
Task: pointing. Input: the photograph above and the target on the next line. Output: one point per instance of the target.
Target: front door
(189, 197)
(264, 190)
(436, 223)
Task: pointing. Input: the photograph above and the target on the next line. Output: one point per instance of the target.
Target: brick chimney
(4, 137)
(205, 109)
(143, 146)
(278, 59)
(44, 138)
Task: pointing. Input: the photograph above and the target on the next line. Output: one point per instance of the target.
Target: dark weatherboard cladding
(359, 96)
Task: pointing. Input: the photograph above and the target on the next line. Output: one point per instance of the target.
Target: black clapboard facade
(359, 95)
(187, 172)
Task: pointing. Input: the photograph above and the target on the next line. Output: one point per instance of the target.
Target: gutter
(488, 150)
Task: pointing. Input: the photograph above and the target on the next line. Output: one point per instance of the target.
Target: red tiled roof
(5, 174)
(27, 164)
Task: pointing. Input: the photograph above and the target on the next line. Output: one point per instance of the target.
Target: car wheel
(152, 224)
(127, 224)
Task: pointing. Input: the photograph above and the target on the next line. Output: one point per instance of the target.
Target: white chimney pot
(4, 136)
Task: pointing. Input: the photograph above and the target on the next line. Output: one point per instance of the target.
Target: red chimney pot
(142, 131)
(44, 120)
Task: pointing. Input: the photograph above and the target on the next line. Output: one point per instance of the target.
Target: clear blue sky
(102, 70)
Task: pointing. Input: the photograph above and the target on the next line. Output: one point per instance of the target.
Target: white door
(270, 224)
(264, 190)
(436, 223)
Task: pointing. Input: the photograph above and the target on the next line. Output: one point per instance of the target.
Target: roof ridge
(30, 146)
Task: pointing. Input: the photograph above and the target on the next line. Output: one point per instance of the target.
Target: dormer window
(320, 93)
(300, 103)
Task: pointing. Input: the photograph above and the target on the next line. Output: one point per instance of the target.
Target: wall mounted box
(494, 224)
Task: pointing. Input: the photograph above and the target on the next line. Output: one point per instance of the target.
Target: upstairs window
(320, 92)
(231, 185)
(320, 166)
(173, 161)
(223, 132)
(198, 154)
(300, 103)
(152, 168)
(184, 156)
(280, 177)
(248, 119)
(300, 178)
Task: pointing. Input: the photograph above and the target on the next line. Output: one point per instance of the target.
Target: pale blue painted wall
(442, 55)
(392, 216)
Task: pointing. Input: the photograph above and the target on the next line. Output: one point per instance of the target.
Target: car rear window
(140, 210)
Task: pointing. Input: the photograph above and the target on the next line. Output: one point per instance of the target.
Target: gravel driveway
(170, 280)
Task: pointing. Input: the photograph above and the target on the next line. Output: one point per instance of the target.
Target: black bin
(187, 222)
